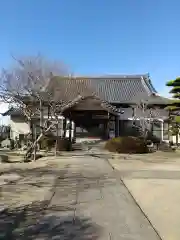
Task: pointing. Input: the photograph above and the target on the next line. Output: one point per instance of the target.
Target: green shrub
(153, 138)
(12, 144)
(48, 142)
(127, 145)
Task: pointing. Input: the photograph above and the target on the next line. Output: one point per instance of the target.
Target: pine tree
(175, 91)
(174, 107)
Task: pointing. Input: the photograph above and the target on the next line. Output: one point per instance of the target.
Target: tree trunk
(41, 117)
(35, 148)
(56, 145)
(30, 150)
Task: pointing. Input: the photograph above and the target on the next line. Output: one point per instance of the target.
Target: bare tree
(25, 86)
(145, 115)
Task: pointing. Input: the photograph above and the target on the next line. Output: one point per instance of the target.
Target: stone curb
(135, 200)
(142, 210)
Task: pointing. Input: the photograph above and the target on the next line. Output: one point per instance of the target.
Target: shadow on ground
(52, 219)
(30, 222)
(65, 178)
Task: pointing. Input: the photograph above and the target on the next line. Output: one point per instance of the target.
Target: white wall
(3, 108)
(128, 113)
(60, 127)
(173, 139)
(18, 126)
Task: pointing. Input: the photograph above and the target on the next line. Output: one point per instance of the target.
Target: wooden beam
(64, 127)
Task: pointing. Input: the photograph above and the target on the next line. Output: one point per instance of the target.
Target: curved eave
(150, 84)
(104, 104)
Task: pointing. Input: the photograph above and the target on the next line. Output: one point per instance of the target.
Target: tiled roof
(109, 89)
(13, 112)
(153, 99)
(113, 89)
(104, 104)
(175, 113)
(110, 108)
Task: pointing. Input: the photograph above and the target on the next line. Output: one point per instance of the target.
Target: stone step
(77, 146)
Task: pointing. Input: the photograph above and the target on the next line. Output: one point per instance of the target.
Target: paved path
(87, 201)
(154, 182)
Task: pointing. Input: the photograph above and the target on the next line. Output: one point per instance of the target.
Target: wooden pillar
(48, 112)
(112, 126)
(133, 112)
(161, 130)
(106, 130)
(70, 130)
(64, 127)
(116, 126)
(107, 126)
(74, 133)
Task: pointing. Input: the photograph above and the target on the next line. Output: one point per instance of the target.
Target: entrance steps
(85, 143)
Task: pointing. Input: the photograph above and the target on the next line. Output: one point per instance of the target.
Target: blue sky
(96, 36)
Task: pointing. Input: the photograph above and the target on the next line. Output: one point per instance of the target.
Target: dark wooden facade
(89, 114)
